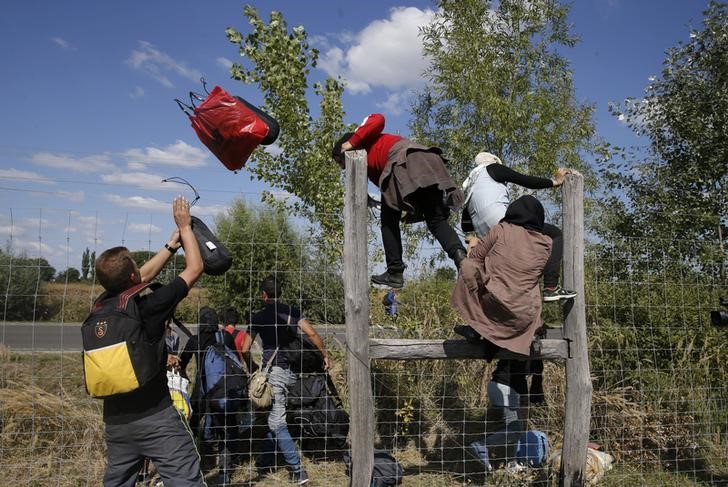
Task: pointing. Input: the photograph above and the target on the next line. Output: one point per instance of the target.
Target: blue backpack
(533, 449)
(224, 384)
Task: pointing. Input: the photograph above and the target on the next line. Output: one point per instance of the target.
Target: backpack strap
(181, 327)
(332, 389)
(125, 296)
(270, 361)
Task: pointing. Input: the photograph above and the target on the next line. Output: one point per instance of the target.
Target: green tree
(22, 286)
(45, 270)
(279, 61)
(69, 275)
(85, 263)
(497, 83)
(92, 266)
(263, 242)
(676, 189)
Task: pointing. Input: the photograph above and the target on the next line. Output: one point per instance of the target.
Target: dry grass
(49, 435)
(51, 430)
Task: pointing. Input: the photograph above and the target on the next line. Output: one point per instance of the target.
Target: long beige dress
(497, 292)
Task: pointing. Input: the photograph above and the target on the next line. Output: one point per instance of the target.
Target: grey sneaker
(554, 294)
(392, 279)
(298, 476)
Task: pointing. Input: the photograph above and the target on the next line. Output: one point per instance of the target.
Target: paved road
(55, 337)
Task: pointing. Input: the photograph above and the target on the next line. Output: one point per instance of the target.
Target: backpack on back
(302, 356)
(224, 381)
(117, 356)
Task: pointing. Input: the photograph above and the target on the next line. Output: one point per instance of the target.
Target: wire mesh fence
(660, 404)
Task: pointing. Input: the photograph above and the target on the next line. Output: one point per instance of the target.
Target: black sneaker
(557, 293)
(298, 476)
(392, 279)
(466, 331)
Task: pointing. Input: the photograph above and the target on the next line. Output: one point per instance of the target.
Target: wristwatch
(172, 250)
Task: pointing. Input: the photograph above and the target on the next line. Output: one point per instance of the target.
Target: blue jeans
(278, 436)
(506, 401)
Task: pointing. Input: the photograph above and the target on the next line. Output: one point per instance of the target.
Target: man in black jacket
(144, 423)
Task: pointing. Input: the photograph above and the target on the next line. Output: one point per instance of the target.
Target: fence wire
(660, 401)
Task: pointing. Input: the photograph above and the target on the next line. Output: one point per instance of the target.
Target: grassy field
(71, 303)
(52, 433)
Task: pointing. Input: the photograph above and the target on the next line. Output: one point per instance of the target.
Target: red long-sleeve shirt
(369, 136)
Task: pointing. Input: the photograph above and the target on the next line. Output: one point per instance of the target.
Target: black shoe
(459, 257)
(263, 466)
(392, 279)
(298, 476)
(471, 336)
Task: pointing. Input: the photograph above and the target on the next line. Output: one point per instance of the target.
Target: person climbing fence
(487, 198)
(412, 179)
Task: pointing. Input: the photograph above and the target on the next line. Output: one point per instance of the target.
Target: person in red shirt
(230, 319)
(413, 179)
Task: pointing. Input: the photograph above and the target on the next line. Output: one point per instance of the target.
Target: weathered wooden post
(356, 302)
(578, 377)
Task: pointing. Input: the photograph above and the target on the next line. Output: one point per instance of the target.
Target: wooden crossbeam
(414, 349)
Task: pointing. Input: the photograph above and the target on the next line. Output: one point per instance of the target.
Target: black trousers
(553, 265)
(165, 438)
(428, 201)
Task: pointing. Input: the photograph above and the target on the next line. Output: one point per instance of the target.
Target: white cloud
(139, 202)
(179, 154)
(14, 230)
(140, 179)
(137, 93)
(158, 64)
(61, 42)
(35, 248)
(224, 62)
(34, 223)
(395, 104)
(386, 53)
(152, 204)
(145, 228)
(209, 210)
(88, 220)
(75, 196)
(26, 175)
(93, 163)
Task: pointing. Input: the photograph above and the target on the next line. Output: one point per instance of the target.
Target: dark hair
(272, 286)
(336, 151)
(114, 268)
(207, 316)
(230, 316)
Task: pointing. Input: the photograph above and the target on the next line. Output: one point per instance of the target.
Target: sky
(90, 128)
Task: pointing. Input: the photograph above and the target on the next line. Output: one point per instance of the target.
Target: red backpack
(230, 127)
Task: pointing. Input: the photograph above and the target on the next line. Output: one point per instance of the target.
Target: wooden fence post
(356, 303)
(578, 377)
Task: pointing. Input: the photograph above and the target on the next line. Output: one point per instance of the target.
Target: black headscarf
(208, 327)
(526, 212)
